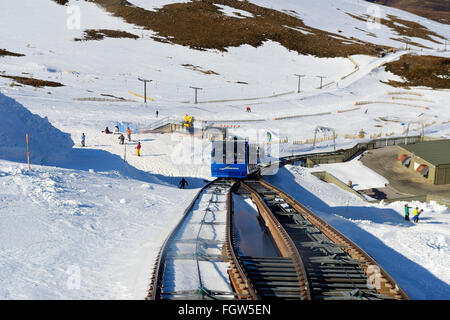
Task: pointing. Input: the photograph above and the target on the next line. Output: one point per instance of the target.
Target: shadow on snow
(104, 161)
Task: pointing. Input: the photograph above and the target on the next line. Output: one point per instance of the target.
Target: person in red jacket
(138, 149)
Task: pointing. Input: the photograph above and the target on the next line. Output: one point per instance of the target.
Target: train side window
(240, 153)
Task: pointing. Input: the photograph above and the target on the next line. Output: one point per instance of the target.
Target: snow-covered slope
(75, 234)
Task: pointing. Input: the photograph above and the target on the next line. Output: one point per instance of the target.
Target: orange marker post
(28, 152)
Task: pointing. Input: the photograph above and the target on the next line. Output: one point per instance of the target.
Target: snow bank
(46, 142)
(362, 177)
(67, 234)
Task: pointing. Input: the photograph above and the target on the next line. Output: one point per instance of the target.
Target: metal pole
(299, 78)
(321, 78)
(196, 89)
(145, 88)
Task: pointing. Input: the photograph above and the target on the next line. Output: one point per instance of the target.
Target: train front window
(217, 152)
(228, 152)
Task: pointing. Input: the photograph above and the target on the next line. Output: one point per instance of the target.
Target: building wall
(443, 174)
(418, 161)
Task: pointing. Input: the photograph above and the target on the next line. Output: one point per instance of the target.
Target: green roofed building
(430, 159)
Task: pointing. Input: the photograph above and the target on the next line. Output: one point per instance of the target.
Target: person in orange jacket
(138, 149)
(129, 134)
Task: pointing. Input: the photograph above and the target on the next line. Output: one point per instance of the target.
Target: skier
(107, 130)
(129, 134)
(157, 113)
(183, 182)
(83, 140)
(121, 138)
(138, 149)
(248, 109)
(407, 212)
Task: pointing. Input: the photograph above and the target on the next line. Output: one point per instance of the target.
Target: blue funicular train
(234, 158)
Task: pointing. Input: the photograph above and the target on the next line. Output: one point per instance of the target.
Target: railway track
(328, 265)
(313, 260)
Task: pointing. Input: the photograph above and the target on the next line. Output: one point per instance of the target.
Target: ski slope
(93, 217)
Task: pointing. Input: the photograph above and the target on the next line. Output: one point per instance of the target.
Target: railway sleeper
(269, 267)
(327, 262)
(262, 258)
(278, 273)
(269, 263)
(337, 280)
(321, 275)
(334, 271)
(340, 294)
(282, 295)
(315, 285)
(293, 285)
(257, 278)
(281, 267)
(278, 289)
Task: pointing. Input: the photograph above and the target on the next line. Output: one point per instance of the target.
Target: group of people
(121, 138)
(416, 213)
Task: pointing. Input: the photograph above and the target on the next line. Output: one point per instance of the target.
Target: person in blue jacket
(83, 140)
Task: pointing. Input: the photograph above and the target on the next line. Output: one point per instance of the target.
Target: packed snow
(87, 223)
(361, 177)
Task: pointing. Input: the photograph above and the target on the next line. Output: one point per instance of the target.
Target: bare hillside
(437, 10)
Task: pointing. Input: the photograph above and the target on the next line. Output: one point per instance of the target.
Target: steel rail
(238, 277)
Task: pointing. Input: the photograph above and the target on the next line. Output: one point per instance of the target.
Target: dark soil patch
(408, 43)
(429, 71)
(438, 10)
(404, 28)
(201, 25)
(34, 82)
(62, 2)
(100, 34)
(410, 29)
(199, 69)
(4, 52)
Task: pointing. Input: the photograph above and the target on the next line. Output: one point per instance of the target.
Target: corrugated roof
(435, 152)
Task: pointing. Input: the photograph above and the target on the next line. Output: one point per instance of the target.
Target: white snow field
(85, 224)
